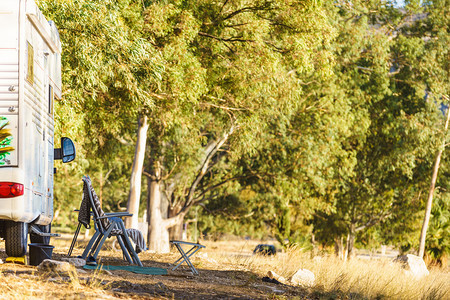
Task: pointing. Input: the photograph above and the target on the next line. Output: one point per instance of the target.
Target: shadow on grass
(182, 284)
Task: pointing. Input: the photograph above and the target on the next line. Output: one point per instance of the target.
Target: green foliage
(395, 140)
(438, 244)
(232, 69)
(109, 75)
(109, 71)
(326, 112)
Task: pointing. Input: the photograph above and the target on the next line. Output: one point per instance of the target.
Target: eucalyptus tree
(395, 126)
(233, 67)
(109, 77)
(422, 54)
(435, 72)
(355, 161)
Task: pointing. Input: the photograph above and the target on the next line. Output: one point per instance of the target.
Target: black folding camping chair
(106, 225)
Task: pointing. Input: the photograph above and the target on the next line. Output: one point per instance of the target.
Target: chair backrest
(101, 223)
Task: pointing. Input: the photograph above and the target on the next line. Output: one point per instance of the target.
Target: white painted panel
(9, 75)
(9, 97)
(9, 81)
(6, 89)
(5, 111)
(36, 124)
(10, 67)
(9, 57)
(50, 166)
(8, 103)
(9, 23)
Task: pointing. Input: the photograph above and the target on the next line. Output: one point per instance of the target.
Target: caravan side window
(30, 62)
(51, 97)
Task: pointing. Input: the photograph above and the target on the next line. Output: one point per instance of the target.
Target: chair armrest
(116, 214)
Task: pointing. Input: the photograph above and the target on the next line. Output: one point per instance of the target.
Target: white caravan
(30, 80)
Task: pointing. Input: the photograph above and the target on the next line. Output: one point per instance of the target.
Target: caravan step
(35, 229)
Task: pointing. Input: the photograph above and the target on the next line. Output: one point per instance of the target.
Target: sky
(400, 3)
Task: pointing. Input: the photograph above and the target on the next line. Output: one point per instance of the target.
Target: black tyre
(16, 238)
(2, 229)
(34, 238)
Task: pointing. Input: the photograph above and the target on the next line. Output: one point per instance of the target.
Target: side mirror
(67, 150)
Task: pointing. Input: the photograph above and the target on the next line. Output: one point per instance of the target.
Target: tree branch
(152, 177)
(203, 169)
(222, 7)
(170, 172)
(196, 199)
(243, 10)
(107, 174)
(373, 221)
(230, 39)
(224, 107)
(170, 222)
(236, 25)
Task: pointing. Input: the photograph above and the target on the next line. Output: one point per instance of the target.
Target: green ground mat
(134, 269)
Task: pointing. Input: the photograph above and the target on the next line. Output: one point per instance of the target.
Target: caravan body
(30, 80)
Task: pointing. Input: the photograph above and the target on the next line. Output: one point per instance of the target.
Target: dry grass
(20, 287)
(24, 282)
(356, 279)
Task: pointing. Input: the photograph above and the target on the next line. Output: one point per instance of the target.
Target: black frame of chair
(101, 234)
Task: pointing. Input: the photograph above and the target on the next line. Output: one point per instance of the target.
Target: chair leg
(128, 244)
(135, 256)
(125, 250)
(186, 255)
(93, 240)
(96, 244)
(185, 258)
(102, 241)
(75, 236)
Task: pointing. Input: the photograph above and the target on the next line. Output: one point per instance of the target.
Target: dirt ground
(216, 280)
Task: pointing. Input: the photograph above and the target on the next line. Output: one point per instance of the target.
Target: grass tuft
(353, 279)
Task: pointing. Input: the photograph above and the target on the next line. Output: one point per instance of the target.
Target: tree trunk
(136, 173)
(100, 190)
(426, 220)
(349, 253)
(339, 247)
(158, 238)
(175, 232)
(149, 212)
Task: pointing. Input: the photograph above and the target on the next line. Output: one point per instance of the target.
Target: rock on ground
(414, 264)
(77, 262)
(54, 266)
(273, 275)
(304, 278)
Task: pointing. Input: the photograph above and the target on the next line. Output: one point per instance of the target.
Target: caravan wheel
(16, 238)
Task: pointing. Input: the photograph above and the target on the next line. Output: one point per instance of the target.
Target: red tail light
(10, 189)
